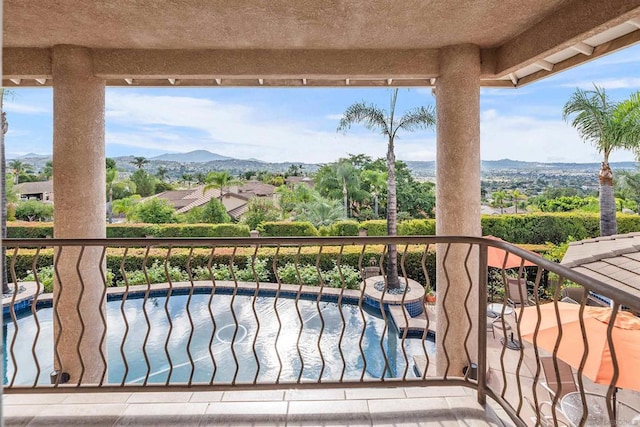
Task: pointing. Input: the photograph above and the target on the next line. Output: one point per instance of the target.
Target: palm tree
(516, 195)
(498, 199)
(187, 177)
(348, 177)
(219, 180)
(609, 126)
(161, 173)
(139, 161)
(375, 118)
(17, 168)
(320, 212)
(377, 181)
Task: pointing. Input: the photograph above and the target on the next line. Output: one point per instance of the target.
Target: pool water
(287, 351)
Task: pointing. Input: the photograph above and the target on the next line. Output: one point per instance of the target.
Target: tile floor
(432, 406)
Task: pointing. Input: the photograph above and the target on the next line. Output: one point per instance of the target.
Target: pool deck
(415, 406)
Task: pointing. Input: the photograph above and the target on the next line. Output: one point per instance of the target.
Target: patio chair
(567, 383)
(546, 419)
(517, 293)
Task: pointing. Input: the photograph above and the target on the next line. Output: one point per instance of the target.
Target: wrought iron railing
(295, 313)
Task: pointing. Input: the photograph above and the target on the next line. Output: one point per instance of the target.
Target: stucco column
(79, 212)
(457, 201)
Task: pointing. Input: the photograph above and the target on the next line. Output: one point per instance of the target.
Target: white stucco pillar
(457, 200)
(79, 212)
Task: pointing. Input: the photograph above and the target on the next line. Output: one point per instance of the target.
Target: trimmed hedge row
(135, 259)
(28, 230)
(536, 228)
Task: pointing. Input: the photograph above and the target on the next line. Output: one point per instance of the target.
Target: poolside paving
(413, 406)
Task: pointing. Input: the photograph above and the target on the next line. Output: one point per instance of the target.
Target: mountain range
(203, 160)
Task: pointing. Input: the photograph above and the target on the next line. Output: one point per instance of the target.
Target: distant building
(291, 181)
(40, 190)
(234, 199)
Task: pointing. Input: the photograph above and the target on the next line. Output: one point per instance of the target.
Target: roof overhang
(306, 43)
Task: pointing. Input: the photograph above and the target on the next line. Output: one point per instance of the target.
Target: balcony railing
(301, 313)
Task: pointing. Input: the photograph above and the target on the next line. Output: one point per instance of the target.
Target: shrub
(417, 227)
(283, 229)
(375, 227)
(343, 228)
(33, 210)
(45, 276)
(214, 212)
(155, 211)
(156, 274)
(259, 210)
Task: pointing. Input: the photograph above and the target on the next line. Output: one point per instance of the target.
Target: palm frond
(591, 113)
(370, 116)
(417, 118)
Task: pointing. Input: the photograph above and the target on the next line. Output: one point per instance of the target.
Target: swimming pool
(221, 349)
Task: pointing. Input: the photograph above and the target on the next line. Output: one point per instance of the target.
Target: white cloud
(17, 108)
(619, 83)
(178, 123)
(534, 139)
(333, 116)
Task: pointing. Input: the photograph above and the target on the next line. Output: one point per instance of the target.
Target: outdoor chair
(567, 383)
(517, 293)
(546, 419)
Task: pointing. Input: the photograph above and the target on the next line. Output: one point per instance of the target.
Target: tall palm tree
(162, 173)
(219, 180)
(17, 168)
(140, 161)
(609, 126)
(498, 199)
(348, 177)
(386, 122)
(377, 180)
(516, 196)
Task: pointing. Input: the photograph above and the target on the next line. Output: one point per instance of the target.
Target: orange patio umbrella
(599, 364)
(496, 257)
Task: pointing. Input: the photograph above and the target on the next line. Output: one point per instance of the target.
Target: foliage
(283, 228)
(376, 227)
(310, 276)
(219, 180)
(145, 183)
(343, 228)
(161, 187)
(320, 212)
(33, 210)
(260, 210)
(259, 272)
(214, 212)
(155, 211)
(156, 273)
(417, 227)
(46, 275)
(126, 206)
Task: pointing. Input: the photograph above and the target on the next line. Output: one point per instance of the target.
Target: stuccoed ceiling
(512, 34)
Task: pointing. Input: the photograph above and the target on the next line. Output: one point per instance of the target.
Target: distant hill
(34, 156)
(197, 156)
(428, 168)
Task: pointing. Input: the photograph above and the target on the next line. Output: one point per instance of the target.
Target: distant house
(41, 190)
(235, 198)
(291, 181)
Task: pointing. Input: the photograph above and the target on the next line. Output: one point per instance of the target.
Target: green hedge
(287, 229)
(537, 228)
(375, 227)
(343, 228)
(552, 227)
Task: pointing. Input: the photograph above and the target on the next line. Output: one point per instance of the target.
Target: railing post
(482, 324)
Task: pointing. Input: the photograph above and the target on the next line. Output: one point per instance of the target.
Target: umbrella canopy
(496, 257)
(599, 364)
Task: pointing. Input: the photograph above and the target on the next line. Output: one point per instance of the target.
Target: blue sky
(300, 124)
